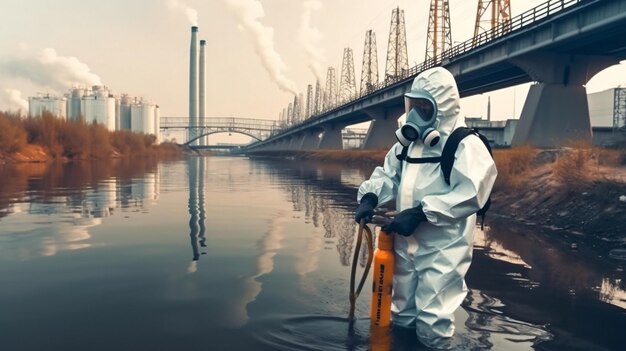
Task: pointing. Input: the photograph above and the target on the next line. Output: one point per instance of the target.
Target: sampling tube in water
(382, 281)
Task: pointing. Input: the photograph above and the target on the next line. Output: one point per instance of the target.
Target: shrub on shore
(75, 139)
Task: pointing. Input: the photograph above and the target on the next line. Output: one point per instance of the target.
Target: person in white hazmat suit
(435, 222)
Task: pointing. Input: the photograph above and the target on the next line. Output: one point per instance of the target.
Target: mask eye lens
(424, 107)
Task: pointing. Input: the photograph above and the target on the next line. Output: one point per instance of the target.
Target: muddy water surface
(231, 253)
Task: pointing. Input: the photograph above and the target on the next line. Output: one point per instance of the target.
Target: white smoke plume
(14, 100)
(49, 70)
(192, 14)
(248, 13)
(309, 37)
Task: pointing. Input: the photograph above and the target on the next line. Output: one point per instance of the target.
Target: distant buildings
(99, 105)
(607, 114)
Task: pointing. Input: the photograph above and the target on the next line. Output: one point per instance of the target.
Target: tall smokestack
(489, 108)
(201, 89)
(193, 84)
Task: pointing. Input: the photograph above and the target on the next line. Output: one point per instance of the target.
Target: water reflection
(46, 209)
(514, 279)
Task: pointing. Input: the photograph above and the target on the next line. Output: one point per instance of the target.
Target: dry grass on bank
(61, 139)
(575, 166)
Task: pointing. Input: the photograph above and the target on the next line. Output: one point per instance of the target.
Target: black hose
(364, 230)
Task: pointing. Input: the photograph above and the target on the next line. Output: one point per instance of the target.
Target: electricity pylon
(347, 85)
(397, 57)
(369, 70)
(309, 101)
(330, 93)
(439, 36)
(492, 13)
(317, 104)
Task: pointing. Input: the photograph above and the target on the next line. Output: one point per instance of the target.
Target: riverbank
(577, 194)
(48, 138)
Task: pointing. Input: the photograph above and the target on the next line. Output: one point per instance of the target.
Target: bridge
(258, 129)
(560, 45)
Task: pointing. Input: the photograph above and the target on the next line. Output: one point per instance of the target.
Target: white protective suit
(431, 263)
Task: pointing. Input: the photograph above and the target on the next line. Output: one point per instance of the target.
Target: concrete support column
(331, 139)
(381, 134)
(310, 140)
(555, 111)
(294, 143)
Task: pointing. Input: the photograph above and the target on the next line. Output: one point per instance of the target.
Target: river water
(218, 253)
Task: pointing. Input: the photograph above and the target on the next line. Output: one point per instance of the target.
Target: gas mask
(421, 118)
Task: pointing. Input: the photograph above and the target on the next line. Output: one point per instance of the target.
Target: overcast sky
(141, 47)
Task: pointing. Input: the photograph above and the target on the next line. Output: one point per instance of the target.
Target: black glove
(366, 208)
(405, 221)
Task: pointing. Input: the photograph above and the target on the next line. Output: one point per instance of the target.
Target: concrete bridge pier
(331, 138)
(310, 139)
(556, 111)
(381, 134)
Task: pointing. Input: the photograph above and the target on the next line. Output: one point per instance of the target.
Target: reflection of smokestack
(193, 83)
(201, 89)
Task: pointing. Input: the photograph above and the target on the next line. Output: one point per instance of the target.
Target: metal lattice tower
(301, 107)
(330, 94)
(397, 57)
(347, 85)
(499, 12)
(369, 70)
(317, 104)
(309, 101)
(619, 108)
(290, 114)
(439, 36)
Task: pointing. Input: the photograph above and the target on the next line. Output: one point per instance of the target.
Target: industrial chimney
(202, 106)
(193, 84)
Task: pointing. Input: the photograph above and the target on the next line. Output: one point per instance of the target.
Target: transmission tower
(347, 85)
(439, 36)
(301, 107)
(309, 101)
(500, 12)
(296, 109)
(397, 57)
(369, 70)
(317, 104)
(330, 94)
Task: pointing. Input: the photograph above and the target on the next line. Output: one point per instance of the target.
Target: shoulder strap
(402, 156)
(447, 155)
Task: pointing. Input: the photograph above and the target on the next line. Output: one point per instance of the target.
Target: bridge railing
(220, 122)
(531, 16)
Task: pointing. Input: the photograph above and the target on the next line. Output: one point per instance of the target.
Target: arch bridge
(258, 129)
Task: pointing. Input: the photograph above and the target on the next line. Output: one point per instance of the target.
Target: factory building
(607, 108)
(99, 105)
(39, 104)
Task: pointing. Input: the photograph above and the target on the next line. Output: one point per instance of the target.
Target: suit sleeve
(385, 180)
(471, 180)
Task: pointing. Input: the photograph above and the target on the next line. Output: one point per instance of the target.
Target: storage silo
(37, 105)
(136, 118)
(125, 104)
(99, 106)
(148, 118)
(142, 118)
(73, 104)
